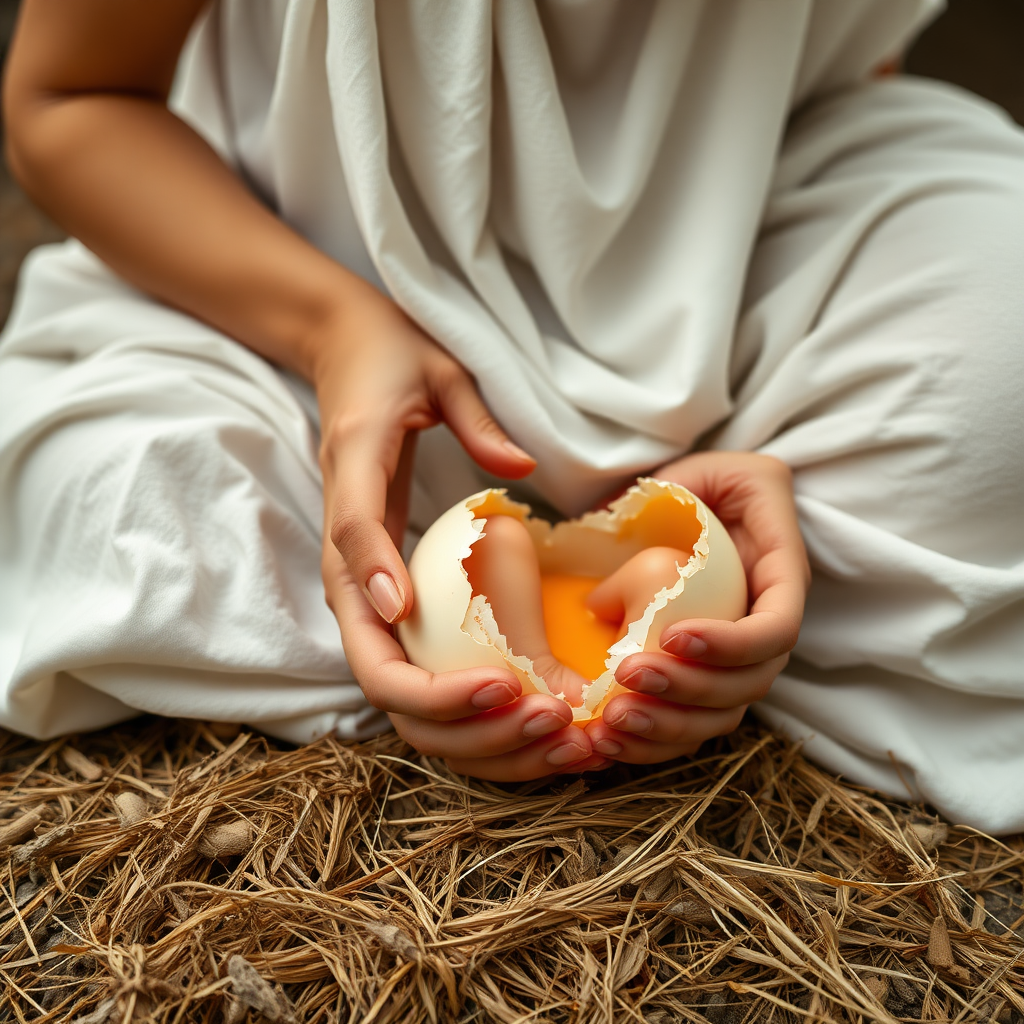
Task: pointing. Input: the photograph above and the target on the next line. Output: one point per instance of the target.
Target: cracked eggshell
(450, 628)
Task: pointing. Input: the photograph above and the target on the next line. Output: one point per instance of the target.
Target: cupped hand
(379, 381)
(476, 719)
(709, 670)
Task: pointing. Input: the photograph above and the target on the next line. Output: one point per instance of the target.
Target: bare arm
(91, 140)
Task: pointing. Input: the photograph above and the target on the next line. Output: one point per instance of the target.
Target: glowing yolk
(663, 521)
(577, 637)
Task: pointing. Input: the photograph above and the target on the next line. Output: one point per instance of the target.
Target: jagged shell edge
(480, 624)
(637, 632)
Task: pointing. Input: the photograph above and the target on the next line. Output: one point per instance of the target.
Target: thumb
(478, 432)
(356, 515)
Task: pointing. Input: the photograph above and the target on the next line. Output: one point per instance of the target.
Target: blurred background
(978, 44)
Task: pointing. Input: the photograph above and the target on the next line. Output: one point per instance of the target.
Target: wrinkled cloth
(644, 228)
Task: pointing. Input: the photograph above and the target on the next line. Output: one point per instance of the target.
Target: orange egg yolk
(577, 637)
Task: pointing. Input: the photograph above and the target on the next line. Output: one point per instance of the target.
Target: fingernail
(511, 446)
(685, 645)
(633, 721)
(609, 747)
(493, 696)
(566, 753)
(385, 596)
(542, 724)
(646, 680)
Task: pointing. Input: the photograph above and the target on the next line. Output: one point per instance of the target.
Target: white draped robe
(644, 226)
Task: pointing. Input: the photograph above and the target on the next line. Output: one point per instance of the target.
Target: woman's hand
(712, 669)
(380, 380)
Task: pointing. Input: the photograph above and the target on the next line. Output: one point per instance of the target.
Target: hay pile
(169, 872)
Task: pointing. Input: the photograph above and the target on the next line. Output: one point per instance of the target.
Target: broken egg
(451, 627)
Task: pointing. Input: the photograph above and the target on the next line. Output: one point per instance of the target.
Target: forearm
(141, 189)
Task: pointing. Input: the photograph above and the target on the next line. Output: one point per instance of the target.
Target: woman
(642, 230)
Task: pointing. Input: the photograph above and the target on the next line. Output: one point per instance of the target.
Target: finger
(388, 680)
(490, 733)
(693, 683)
(477, 430)
(557, 753)
(366, 458)
(661, 721)
(769, 631)
(396, 514)
(606, 599)
(699, 726)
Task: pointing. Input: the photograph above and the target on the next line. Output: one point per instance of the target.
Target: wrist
(351, 334)
(324, 319)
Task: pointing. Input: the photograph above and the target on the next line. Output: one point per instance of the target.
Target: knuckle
(376, 693)
(486, 425)
(777, 636)
(448, 377)
(789, 636)
(345, 522)
(378, 696)
(354, 427)
(774, 466)
(333, 439)
(700, 689)
(381, 703)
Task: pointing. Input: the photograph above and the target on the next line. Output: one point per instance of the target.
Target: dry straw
(176, 872)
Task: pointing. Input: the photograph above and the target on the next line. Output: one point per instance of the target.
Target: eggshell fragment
(451, 628)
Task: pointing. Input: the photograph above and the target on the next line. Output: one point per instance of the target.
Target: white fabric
(642, 226)
(564, 194)
(159, 523)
